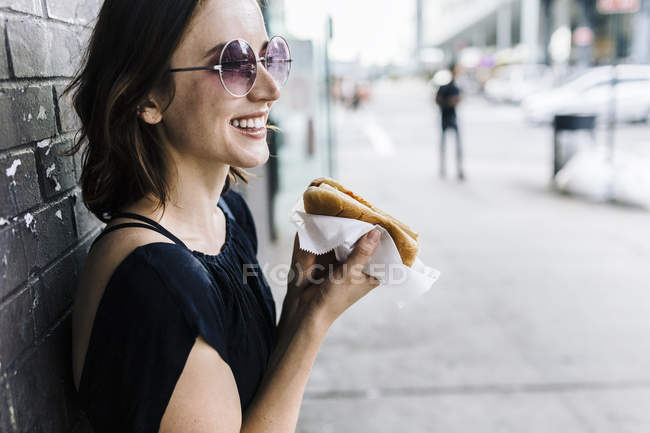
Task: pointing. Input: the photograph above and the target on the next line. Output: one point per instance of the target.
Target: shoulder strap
(123, 225)
(156, 226)
(151, 224)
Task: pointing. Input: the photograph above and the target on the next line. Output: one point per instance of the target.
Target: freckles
(208, 93)
(194, 89)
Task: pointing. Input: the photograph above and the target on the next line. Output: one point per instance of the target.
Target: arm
(309, 309)
(453, 101)
(205, 399)
(276, 405)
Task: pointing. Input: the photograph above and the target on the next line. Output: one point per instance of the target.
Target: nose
(265, 88)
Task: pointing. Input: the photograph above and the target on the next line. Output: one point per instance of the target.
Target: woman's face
(198, 121)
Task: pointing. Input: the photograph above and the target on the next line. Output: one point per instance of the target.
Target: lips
(251, 132)
(252, 115)
(250, 123)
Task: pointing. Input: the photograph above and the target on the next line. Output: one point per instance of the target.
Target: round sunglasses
(237, 65)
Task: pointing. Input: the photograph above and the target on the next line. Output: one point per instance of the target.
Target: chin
(254, 159)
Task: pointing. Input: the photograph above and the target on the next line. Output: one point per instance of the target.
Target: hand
(320, 286)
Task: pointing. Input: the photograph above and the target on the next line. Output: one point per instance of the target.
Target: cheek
(201, 109)
(211, 102)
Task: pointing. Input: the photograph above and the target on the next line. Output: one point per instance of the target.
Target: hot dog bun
(325, 196)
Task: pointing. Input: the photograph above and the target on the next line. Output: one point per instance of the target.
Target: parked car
(591, 93)
(513, 83)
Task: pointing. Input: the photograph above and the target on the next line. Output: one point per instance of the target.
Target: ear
(150, 112)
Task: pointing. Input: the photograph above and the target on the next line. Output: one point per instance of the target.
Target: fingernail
(374, 235)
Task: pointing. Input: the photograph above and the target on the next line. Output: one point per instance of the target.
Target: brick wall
(45, 231)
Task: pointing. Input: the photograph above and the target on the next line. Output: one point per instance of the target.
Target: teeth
(257, 122)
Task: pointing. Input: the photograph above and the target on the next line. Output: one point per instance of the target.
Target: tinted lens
(238, 67)
(277, 59)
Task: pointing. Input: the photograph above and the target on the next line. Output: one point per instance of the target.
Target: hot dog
(325, 196)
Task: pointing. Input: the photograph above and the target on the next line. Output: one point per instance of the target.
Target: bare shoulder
(205, 398)
(102, 260)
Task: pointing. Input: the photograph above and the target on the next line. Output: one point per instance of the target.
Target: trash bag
(588, 174)
(632, 179)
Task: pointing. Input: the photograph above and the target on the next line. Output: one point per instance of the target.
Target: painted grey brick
(26, 115)
(29, 6)
(16, 315)
(56, 171)
(7, 203)
(78, 164)
(74, 11)
(40, 49)
(4, 64)
(85, 221)
(6, 424)
(50, 233)
(81, 253)
(38, 386)
(13, 269)
(54, 292)
(19, 171)
(68, 119)
(57, 418)
(37, 428)
(18, 387)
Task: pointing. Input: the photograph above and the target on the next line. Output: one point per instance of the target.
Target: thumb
(364, 249)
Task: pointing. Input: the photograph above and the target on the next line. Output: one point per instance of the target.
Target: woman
(169, 334)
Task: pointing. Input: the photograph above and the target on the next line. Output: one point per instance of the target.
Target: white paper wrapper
(319, 234)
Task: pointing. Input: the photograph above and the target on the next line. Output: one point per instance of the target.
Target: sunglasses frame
(218, 66)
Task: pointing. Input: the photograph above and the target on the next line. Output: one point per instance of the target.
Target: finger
(301, 256)
(301, 262)
(364, 249)
(322, 265)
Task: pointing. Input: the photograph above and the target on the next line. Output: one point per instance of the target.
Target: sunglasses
(237, 65)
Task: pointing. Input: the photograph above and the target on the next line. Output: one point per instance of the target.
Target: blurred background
(539, 321)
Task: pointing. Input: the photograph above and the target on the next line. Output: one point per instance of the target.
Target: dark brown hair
(127, 60)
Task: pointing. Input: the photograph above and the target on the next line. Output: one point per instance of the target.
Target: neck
(191, 210)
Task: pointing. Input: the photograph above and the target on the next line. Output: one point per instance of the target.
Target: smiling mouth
(253, 123)
(252, 132)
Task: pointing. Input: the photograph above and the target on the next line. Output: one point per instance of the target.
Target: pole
(529, 28)
(641, 34)
(504, 26)
(419, 36)
(331, 167)
(587, 20)
(611, 124)
(546, 4)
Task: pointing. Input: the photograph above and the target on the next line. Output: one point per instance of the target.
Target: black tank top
(158, 300)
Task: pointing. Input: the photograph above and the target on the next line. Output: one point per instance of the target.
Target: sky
(375, 32)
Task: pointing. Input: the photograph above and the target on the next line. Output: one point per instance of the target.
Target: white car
(591, 93)
(513, 83)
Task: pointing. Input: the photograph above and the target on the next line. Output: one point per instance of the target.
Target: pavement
(539, 321)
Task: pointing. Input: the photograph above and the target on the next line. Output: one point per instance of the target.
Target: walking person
(448, 97)
(173, 324)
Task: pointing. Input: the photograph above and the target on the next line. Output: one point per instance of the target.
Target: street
(539, 321)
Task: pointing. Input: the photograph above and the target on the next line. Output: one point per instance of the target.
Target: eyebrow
(214, 50)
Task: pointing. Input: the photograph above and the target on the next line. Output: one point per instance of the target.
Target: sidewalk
(539, 321)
